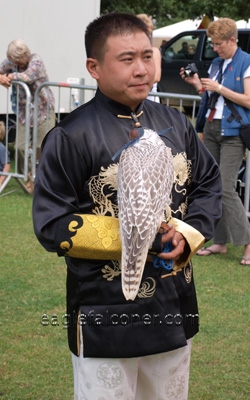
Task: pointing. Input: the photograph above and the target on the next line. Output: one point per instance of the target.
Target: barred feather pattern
(145, 179)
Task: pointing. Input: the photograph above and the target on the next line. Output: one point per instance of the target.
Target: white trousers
(162, 376)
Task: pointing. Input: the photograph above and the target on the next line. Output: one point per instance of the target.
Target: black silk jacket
(77, 176)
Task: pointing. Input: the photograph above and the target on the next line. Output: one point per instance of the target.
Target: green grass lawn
(35, 362)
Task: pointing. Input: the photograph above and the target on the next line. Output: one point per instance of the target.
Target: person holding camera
(228, 83)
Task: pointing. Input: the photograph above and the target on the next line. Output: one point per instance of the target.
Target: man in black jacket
(123, 349)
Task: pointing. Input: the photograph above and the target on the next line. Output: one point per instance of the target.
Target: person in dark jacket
(228, 85)
(137, 349)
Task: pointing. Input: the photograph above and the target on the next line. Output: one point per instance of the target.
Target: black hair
(112, 24)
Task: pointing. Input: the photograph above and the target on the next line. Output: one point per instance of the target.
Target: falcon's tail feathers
(132, 271)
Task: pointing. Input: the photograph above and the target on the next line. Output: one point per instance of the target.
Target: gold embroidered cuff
(96, 237)
(193, 237)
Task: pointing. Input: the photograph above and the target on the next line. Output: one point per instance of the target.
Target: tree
(235, 9)
(165, 12)
(159, 10)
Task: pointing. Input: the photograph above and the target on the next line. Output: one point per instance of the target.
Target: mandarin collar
(115, 107)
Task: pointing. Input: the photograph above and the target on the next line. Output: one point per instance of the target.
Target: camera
(212, 100)
(190, 70)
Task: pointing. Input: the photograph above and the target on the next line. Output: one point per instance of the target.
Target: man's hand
(178, 242)
(169, 234)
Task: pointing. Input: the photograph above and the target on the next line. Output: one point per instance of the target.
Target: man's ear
(92, 67)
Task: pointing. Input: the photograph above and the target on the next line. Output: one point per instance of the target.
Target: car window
(208, 52)
(183, 48)
(243, 40)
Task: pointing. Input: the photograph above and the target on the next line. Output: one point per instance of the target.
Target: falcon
(145, 179)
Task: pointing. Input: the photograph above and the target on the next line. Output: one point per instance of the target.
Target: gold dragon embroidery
(102, 188)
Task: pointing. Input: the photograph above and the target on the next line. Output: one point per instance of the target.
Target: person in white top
(229, 80)
(156, 55)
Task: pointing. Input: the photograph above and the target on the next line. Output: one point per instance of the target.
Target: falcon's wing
(145, 178)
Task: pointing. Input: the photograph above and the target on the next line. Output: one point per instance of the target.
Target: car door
(183, 49)
(244, 39)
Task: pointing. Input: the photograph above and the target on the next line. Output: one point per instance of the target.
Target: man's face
(127, 72)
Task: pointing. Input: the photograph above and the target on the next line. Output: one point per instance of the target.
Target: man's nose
(140, 67)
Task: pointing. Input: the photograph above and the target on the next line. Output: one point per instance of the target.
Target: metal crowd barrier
(27, 151)
(71, 105)
(71, 87)
(180, 98)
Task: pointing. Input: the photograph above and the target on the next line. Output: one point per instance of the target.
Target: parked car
(190, 47)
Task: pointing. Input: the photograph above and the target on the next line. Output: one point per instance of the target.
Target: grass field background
(35, 362)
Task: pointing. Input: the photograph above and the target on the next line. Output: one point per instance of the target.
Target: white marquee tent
(243, 24)
(174, 29)
(169, 31)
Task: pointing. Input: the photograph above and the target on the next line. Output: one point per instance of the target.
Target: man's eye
(127, 59)
(148, 56)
